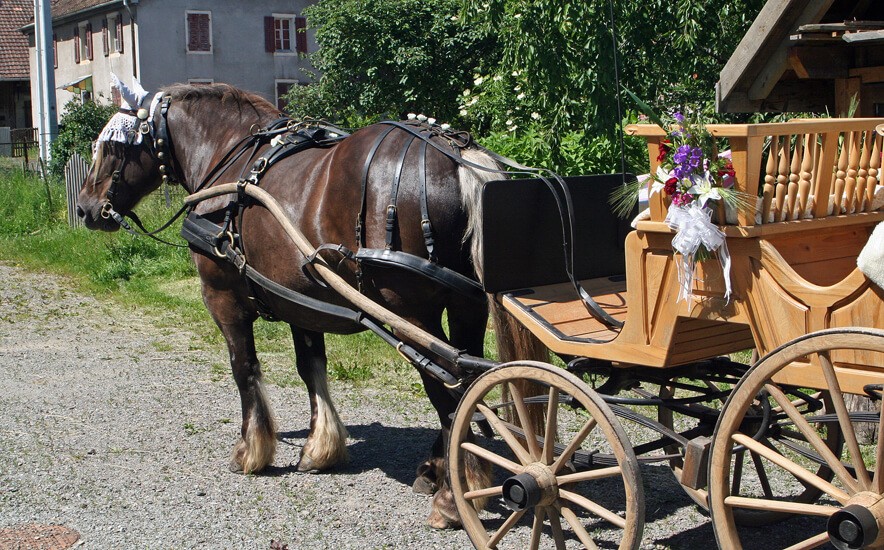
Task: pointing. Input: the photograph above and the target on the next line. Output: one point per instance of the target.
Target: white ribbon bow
(694, 227)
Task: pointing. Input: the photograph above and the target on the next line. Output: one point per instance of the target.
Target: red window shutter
(269, 38)
(104, 37)
(76, 44)
(301, 34)
(205, 33)
(55, 50)
(89, 41)
(192, 38)
(119, 31)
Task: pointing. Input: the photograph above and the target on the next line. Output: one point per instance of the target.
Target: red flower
(664, 150)
(669, 186)
(727, 170)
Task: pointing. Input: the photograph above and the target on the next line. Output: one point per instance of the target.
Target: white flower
(463, 112)
(478, 81)
(518, 16)
(466, 92)
(473, 101)
(535, 115)
(422, 117)
(446, 125)
(517, 88)
(516, 73)
(497, 78)
(509, 122)
(431, 121)
(704, 189)
(512, 128)
(411, 116)
(521, 96)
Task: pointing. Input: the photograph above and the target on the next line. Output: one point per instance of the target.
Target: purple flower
(678, 117)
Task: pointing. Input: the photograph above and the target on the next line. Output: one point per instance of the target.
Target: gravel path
(113, 426)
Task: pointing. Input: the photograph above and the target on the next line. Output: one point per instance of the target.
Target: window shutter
(119, 31)
(301, 34)
(76, 44)
(205, 33)
(89, 41)
(104, 37)
(269, 38)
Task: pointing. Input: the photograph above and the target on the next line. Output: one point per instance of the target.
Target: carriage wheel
(847, 479)
(748, 468)
(567, 484)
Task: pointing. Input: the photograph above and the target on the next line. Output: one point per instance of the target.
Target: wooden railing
(799, 169)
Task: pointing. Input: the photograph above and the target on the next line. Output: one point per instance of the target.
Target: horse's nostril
(80, 212)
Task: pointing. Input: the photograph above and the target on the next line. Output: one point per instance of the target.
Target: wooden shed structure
(808, 56)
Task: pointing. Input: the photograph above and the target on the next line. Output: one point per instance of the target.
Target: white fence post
(74, 173)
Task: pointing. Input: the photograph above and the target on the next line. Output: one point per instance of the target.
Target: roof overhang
(81, 14)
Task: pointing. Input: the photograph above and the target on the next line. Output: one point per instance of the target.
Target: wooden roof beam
(819, 63)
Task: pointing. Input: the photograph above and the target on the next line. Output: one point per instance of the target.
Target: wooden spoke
(813, 542)
(549, 434)
(593, 507)
(578, 528)
(525, 420)
(847, 430)
(762, 475)
(482, 493)
(506, 434)
(789, 507)
(589, 475)
(798, 471)
(505, 528)
(812, 437)
(555, 523)
(491, 457)
(574, 445)
(537, 528)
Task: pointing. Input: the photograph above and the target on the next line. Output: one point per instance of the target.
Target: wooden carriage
(798, 299)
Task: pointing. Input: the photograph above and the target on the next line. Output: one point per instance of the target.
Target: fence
(23, 139)
(74, 174)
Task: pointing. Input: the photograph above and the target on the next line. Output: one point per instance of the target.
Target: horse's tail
(514, 341)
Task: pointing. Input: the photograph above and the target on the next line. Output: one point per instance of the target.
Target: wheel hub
(860, 524)
(536, 486)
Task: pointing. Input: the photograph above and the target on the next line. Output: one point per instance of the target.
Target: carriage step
(696, 460)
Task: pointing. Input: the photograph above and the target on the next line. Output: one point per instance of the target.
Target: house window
(199, 31)
(285, 34)
(83, 42)
(282, 88)
(112, 34)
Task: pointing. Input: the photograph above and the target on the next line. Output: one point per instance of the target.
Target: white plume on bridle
(123, 127)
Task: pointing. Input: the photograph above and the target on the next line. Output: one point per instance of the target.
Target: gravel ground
(115, 427)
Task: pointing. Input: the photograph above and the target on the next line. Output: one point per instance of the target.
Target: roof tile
(14, 14)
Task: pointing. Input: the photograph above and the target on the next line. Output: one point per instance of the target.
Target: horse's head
(125, 165)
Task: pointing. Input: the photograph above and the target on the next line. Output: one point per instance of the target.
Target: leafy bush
(79, 126)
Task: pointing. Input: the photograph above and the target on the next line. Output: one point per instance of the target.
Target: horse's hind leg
(327, 443)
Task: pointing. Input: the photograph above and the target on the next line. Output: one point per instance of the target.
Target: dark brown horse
(321, 191)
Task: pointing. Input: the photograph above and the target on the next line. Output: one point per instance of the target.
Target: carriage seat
(524, 259)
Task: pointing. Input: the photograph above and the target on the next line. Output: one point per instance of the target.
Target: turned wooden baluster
(805, 175)
(782, 180)
(794, 169)
(862, 174)
(874, 170)
(840, 174)
(852, 171)
(770, 180)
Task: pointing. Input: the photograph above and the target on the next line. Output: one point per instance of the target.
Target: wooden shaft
(398, 324)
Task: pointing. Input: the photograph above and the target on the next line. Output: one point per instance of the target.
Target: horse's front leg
(326, 444)
(234, 315)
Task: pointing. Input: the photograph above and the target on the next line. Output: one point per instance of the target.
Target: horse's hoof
(424, 486)
(438, 521)
(307, 466)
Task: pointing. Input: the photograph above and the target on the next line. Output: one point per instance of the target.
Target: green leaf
(645, 108)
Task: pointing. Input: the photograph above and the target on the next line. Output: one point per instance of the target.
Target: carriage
(644, 375)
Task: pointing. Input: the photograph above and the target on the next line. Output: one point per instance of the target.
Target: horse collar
(163, 143)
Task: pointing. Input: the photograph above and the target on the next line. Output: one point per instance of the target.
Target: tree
(79, 126)
(387, 58)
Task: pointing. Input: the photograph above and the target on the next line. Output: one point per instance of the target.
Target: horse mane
(223, 93)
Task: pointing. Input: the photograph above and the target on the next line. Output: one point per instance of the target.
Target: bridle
(161, 151)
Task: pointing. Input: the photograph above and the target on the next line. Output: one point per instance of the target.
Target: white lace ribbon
(694, 228)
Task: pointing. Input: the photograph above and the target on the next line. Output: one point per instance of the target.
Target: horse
(188, 133)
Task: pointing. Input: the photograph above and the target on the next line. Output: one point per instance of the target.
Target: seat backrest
(522, 232)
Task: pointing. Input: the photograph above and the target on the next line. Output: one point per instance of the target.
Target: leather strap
(360, 217)
(415, 264)
(394, 193)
